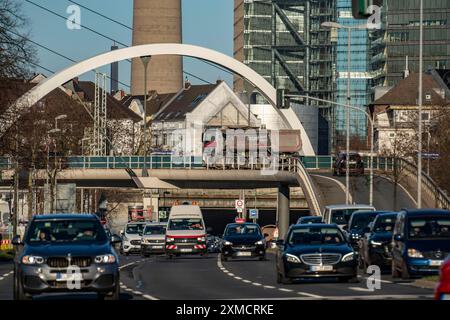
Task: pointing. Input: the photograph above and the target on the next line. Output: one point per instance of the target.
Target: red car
(443, 288)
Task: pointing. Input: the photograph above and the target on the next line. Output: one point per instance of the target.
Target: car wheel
(263, 258)
(127, 254)
(394, 272)
(169, 256)
(19, 294)
(146, 255)
(405, 273)
(116, 292)
(223, 258)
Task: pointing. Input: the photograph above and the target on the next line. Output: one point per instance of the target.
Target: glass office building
(359, 76)
(399, 38)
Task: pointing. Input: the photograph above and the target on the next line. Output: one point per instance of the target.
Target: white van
(340, 214)
(186, 231)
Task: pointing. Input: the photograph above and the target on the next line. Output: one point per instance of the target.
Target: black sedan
(66, 253)
(243, 240)
(314, 251)
(358, 223)
(376, 245)
(309, 220)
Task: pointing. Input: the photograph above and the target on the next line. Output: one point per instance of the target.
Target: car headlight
(169, 239)
(105, 258)
(201, 239)
(259, 243)
(32, 260)
(413, 253)
(348, 257)
(376, 243)
(356, 236)
(227, 243)
(292, 258)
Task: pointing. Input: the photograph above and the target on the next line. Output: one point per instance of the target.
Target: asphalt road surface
(333, 191)
(192, 277)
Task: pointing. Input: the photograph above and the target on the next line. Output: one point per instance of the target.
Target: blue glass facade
(359, 79)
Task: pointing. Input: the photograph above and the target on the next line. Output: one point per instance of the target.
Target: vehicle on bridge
(313, 251)
(131, 238)
(66, 253)
(358, 225)
(186, 232)
(376, 245)
(443, 289)
(341, 213)
(356, 164)
(153, 239)
(309, 220)
(421, 242)
(243, 240)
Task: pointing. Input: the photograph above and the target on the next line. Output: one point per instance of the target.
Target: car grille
(63, 262)
(135, 242)
(438, 255)
(186, 240)
(155, 241)
(244, 247)
(320, 258)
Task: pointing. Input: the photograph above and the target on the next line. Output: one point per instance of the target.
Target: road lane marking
(135, 292)
(148, 297)
(224, 270)
(360, 289)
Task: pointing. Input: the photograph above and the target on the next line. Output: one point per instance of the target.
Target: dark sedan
(376, 245)
(314, 251)
(358, 223)
(66, 253)
(243, 240)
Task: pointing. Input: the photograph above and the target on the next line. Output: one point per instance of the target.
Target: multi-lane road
(199, 278)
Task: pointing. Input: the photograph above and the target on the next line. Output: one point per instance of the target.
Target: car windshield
(384, 224)
(154, 230)
(429, 227)
(134, 228)
(361, 221)
(186, 224)
(66, 231)
(342, 216)
(316, 236)
(242, 230)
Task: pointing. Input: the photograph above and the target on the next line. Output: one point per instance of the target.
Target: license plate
(244, 254)
(436, 263)
(445, 296)
(157, 247)
(321, 268)
(185, 250)
(64, 277)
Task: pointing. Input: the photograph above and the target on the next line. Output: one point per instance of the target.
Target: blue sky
(208, 23)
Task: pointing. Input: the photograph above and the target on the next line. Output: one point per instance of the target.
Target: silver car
(153, 239)
(131, 238)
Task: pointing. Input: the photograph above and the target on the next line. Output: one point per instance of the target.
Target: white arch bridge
(288, 116)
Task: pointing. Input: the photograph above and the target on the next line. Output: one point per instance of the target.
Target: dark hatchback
(421, 242)
(243, 240)
(358, 224)
(315, 251)
(376, 245)
(66, 253)
(356, 164)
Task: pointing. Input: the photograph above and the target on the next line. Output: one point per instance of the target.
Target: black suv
(66, 253)
(243, 240)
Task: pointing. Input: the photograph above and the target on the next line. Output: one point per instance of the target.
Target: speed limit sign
(239, 205)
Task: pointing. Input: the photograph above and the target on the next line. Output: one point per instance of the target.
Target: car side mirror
(345, 227)
(209, 230)
(121, 232)
(279, 242)
(366, 229)
(17, 241)
(266, 235)
(398, 237)
(115, 239)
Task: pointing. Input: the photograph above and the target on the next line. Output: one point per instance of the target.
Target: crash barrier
(6, 245)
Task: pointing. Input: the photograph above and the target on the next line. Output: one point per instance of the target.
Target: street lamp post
(419, 153)
(145, 61)
(330, 24)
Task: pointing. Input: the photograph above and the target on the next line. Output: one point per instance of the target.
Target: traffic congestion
(79, 253)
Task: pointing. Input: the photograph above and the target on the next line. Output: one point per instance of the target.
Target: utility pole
(419, 153)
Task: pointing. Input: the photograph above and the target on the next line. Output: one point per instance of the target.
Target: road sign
(253, 213)
(239, 205)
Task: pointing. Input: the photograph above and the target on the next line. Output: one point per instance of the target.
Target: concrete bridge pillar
(283, 210)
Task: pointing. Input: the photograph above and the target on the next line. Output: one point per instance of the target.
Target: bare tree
(16, 52)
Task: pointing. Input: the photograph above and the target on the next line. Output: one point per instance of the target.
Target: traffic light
(283, 102)
(360, 8)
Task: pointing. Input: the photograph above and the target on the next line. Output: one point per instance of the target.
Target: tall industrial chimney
(114, 73)
(157, 21)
